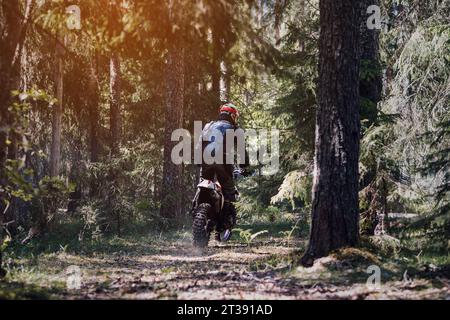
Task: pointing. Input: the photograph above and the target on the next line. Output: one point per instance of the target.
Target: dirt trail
(179, 271)
(233, 271)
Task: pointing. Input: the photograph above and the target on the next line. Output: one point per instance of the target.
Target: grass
(36, 270)
(350, 266)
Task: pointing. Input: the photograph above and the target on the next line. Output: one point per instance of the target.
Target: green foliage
(18, 175)
(404, 150)
(18, 185)
(281, 96)
(256, 193)
(369, 70)
(49, 199)
(123, 189)
(383, 245)
(296, 106)
(273, 213)
(296, 185)
(5, 243)
(113, 199)
(418, 138)
(92, 222)
(248, 236)
(431, 230)
(297, 230)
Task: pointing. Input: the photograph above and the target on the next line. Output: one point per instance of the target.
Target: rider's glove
(245, 172)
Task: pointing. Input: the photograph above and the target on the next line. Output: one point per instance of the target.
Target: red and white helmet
(229, 108)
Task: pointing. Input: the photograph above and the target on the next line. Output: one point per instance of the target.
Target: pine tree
(335, 187)
(13, 29)
(172, 186)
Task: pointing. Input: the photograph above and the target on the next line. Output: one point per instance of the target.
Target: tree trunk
(216, 68)
(55, 152)
(335, 188)
(278, 14)
(114, 103)
(370, 87)
(171, 190)
(93, 105)
(115, 121)
(382, 225)
(226, 82)
(11, 44)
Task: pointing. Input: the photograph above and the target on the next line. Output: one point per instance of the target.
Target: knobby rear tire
(199, 225)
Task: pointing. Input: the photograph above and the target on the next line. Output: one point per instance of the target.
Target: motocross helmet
(231, 109)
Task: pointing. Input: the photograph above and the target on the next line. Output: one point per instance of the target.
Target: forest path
(262, 270)
(169, 267)
(177, 270)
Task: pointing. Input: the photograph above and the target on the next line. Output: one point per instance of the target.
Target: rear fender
(209, 192)
(207, 184)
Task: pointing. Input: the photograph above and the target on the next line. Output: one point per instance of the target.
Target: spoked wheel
(200, 225)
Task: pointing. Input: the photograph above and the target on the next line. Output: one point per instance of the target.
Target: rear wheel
(199, 225)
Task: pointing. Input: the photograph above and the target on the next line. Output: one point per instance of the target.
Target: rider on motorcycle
(224, 172)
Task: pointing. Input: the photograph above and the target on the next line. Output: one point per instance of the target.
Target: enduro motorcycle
(208, 214)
